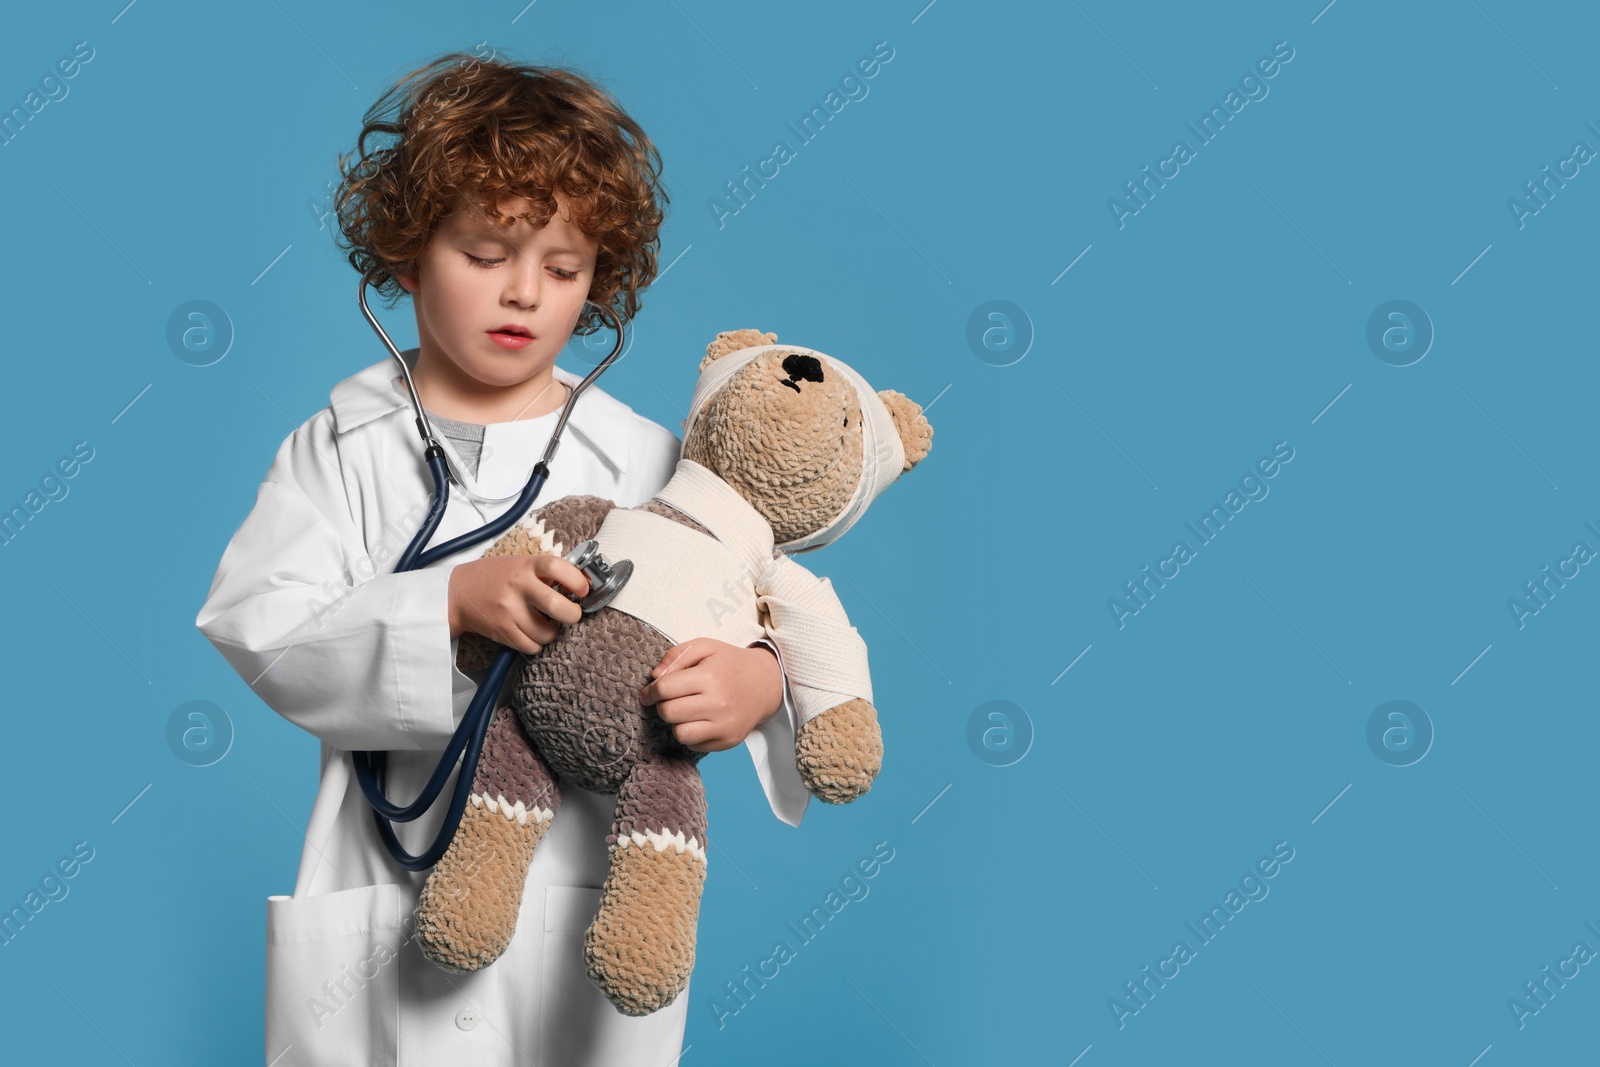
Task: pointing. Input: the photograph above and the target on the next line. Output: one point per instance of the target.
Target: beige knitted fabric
(884, 454)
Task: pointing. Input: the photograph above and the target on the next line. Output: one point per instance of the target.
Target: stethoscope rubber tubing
(508, 519)
(467, 741)
(474, 727)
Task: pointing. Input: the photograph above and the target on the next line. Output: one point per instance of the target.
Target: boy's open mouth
(514, 331)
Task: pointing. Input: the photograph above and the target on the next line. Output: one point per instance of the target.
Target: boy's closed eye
(561, 273)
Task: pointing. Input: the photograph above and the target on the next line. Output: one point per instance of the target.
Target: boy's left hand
(713, 693)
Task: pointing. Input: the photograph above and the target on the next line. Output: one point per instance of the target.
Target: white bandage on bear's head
(883, 454)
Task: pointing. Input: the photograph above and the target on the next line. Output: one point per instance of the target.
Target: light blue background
(1227, 315)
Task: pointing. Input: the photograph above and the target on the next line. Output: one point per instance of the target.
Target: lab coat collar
(602, 419)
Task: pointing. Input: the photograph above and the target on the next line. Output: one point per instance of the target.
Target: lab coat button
(466, 1019)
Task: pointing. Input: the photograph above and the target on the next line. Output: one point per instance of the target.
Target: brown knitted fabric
(579, 700)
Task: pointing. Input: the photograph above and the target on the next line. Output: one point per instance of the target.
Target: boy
(512, 195)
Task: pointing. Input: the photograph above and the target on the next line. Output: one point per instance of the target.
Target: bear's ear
(734, 340)
(916, 433)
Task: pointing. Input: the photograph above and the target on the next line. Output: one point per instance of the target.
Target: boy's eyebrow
(486, 229)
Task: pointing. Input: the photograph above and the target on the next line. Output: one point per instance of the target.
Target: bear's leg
(640, 946)
(840, 752)
(467, 911)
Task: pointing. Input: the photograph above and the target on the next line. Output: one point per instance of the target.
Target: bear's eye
(847, 420)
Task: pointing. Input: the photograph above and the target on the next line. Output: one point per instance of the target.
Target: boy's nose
(522, 288)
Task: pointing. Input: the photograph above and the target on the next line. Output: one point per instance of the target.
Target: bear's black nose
(801, 367)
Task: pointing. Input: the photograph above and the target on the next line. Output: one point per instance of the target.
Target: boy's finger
(565, 574)
(685, 655)
(554, 604)
(523, 635)
(673, 687)
(538, 627)
(526, 644)
(699, 736)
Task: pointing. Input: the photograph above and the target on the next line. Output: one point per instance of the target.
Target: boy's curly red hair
(491, 129)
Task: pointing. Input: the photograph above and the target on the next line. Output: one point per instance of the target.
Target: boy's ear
(408, 282)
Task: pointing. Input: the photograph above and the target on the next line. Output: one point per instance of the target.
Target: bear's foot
(840, 752)
(467, 912)
(640, 947)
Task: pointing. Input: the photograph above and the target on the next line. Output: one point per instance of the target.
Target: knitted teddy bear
(783, 450)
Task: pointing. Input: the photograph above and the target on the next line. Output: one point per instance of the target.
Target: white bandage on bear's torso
(684, 583)
(735, 588)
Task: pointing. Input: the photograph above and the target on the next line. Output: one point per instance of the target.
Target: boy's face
(475, 278)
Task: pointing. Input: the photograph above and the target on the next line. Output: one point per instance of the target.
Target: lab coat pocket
(578, 1026)
(333, 977)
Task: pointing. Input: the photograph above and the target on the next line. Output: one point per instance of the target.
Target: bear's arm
(824, 656)
(570, 520)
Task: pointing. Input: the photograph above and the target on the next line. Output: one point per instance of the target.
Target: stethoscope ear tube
(467, 741)
(504, 522)
(409, 560)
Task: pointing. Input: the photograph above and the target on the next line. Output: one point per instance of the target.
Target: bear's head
(796, 432)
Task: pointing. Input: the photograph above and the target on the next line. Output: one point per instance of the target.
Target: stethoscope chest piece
(605, 579)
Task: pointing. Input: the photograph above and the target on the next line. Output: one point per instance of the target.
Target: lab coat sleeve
(772, 749)
(325, 635)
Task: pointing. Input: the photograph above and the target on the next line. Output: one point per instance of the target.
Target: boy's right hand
(514, 600)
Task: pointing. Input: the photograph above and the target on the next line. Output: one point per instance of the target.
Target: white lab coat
(307, 609)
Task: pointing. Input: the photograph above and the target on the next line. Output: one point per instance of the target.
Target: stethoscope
(467, 741)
